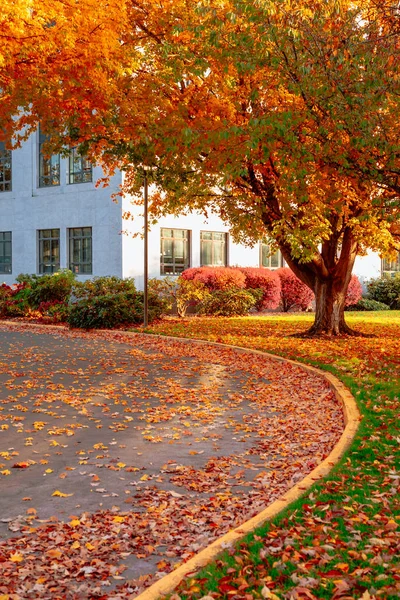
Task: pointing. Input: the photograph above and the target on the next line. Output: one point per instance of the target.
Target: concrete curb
(352, 419)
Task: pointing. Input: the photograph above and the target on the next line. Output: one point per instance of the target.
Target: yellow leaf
(75, 523)
(118, 519)
(16, 557)
(121, 465)
(5, 472)
(48, 470)
(89, 546)
(75, 545)
(61, 494)
(144, 478)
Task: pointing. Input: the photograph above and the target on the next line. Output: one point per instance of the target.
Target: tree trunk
(330, 298)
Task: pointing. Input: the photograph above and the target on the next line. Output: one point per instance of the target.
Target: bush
(354, 291)
(165, 289)
(367, 304)
(263, 279)
(54, 312)
(190, 293)
(385, 289)
(113, 310)
(216, 278)
(294, 293)
(228, 303)
(102, 286)
(55, 287)
(14, 300)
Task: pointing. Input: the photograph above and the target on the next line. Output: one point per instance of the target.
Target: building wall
(366, 267)
(28, 208)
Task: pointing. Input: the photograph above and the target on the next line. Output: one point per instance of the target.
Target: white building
(52, 216)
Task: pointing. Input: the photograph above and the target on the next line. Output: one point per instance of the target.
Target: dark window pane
(80, 168)
(49, 250)
(80, 249)
(49, 166)
(5, 168)
(5, 252)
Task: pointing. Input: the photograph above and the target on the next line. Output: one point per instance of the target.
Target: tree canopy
(281, 116)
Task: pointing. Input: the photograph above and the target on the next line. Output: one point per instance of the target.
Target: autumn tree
(281, 117)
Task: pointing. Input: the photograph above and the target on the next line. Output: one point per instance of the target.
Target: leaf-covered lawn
(342, 540)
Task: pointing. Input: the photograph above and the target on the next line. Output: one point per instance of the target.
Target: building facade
(53, 216)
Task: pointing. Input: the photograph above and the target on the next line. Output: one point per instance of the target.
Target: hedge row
(227, 291)
(102, 302)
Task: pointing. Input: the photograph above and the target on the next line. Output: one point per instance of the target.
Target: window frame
(42, 139)
(277, 252)
(5, 157)
(78, 267)
(386, 262)
(3, 242)
(173, 264)
(85, 171)
(54, 266)
(213, 241)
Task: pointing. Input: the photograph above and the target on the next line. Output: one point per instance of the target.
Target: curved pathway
(120, 456)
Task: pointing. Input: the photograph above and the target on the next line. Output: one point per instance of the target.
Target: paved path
(120, 456)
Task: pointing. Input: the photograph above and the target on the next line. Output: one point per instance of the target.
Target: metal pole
(146, 252)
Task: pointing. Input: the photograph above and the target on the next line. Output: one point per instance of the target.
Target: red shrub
(216, 278)
(268, 281)
(354, 291)
(294, 293)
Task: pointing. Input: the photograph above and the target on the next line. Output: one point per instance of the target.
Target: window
(80, 249)
(5, 168)
(80, 168)
(391, 267)
(271, 260)
(213, 249)
(49, 166)
(49, 250)
(5, 251)
(175, 251)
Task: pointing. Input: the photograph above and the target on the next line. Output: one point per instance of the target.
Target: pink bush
(216, 278)
(268, 281)
(354, 291)
(294, 293)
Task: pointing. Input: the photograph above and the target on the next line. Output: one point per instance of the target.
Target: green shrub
(102, 286)
(113, 310)
(54, 287)
(385, 289)
(367, 304)
(228, 303)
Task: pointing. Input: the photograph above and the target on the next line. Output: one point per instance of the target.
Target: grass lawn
(342, 539)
